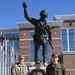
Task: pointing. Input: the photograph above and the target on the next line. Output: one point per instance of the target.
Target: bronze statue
(41, 28)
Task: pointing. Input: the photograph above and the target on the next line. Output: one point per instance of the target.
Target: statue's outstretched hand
(24, 5)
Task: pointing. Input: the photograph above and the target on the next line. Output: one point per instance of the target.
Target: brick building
(63, 40)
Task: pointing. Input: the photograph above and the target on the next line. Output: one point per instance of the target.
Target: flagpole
(6, 64)
(2, 55)
(0, 60)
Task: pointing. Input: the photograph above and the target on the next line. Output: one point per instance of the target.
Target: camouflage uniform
(19, 69)
(37, 72)
(57, 69)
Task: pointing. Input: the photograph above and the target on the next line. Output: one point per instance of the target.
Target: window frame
(68, 40)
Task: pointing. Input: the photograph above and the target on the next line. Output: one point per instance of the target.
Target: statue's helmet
(44, 12)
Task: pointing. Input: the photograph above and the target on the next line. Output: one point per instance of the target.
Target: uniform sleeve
(32, 72)
(63, 72)
(13, 70)
(47, 70)
(26, 69)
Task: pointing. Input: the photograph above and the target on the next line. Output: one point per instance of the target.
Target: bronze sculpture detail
(41, 28)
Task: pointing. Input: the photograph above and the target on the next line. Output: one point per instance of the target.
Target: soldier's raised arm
(31, 20)
(63, 70)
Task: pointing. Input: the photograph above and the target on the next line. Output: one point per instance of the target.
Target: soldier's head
(21, 58)
(37, 63)
(55, 58)
(44, 13)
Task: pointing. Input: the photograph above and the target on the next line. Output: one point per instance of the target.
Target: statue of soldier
(41, 28)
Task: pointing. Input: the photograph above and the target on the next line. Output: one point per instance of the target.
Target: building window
(14, 44)
(68, 39)
(16, 35)
(11, 35)
(31, 33)
(39, 51)
(12, 51)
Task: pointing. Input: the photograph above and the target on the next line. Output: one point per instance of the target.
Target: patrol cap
(21, 56)
(54, 55)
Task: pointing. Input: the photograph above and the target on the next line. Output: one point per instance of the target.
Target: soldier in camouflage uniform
(37, 70)
(41, 28)
(19, 68)
(55, 68)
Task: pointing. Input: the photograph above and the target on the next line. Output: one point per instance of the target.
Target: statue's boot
(44, 59)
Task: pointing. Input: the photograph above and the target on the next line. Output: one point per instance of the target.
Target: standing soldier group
(54, 68)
